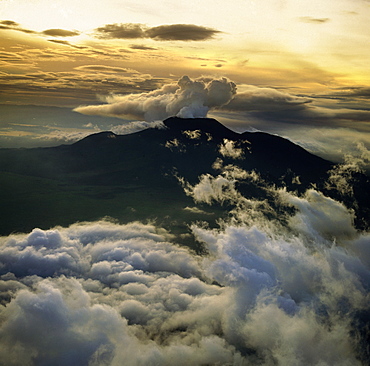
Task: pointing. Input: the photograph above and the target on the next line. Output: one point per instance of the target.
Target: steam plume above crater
(187, 98)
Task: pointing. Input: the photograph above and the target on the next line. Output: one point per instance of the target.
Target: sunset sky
(298, 66)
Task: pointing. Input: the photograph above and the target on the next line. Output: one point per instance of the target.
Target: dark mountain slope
(132, 176)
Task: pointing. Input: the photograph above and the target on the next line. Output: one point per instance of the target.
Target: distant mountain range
(135, 176)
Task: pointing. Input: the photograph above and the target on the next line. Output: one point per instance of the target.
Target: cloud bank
(266, 292)
(172, 32)
(187, 98)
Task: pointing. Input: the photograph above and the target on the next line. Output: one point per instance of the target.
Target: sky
(300, 68)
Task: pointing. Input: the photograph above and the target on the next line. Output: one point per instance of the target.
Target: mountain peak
(97, 138)
(207, 125)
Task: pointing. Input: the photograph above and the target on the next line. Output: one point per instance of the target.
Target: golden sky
(308, 56)
(95, 46)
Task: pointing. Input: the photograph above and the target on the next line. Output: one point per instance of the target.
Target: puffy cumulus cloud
(264, 293)
(172, 32)
(342, 176)
(187, 98)
(229, 149)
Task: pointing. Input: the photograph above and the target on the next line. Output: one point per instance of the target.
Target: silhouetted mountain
(134, 176)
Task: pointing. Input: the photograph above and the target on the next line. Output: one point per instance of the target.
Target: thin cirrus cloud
(172, 32)
(65, 43)
(314, 20)
(104, 68)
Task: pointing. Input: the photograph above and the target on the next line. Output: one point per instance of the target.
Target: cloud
(255, 98)
(141, 47)
(136, 126)
(104, 68)
(101, 293)
(172, 32)
(66, 43)
(11, 25)
(60, 33)
(187, 98)
(229, 149)
(314, 20)
(121, 31)
(355, 91)
(181, 32)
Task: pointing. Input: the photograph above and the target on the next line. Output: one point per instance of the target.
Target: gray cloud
(123, 31)
(9, 23)
(172, 32)
(142, 47)
(356, 91)
(266, 99)
(60, 33)
(181, 32)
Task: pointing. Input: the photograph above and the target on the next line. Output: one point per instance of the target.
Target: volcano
(137, 176)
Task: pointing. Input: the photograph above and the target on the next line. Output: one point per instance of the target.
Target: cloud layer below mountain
(266, 293)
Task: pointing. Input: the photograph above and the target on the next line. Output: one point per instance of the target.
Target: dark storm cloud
(60, 33)
(314, 20)
(173, 32)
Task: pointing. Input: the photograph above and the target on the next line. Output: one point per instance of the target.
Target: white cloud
(187, 99)
(106, 294)
(229, 149)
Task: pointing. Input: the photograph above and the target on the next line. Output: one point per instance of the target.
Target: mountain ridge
(135, 176)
